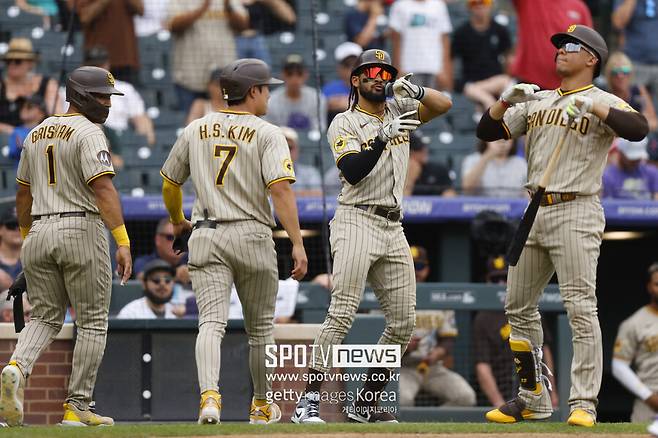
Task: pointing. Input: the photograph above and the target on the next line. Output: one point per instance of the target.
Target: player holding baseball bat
(568, 133)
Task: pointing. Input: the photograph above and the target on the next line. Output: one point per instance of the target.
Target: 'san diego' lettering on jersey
(554, 117)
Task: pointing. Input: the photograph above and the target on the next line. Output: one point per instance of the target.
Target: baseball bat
(523, 231)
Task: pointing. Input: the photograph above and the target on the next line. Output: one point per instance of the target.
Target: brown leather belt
(67, 214)
(551, 198)
(392, 214)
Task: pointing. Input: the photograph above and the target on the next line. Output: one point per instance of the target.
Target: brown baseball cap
(239, 76)
(587, 36)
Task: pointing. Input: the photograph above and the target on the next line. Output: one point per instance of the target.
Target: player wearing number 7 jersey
(236, 160)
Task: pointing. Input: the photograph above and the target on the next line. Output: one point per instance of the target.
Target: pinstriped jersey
(637, 343)
(355, 130)
(233, 158)
(60, 157)
(584, 152)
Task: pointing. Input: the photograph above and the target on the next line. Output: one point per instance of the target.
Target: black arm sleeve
(626, 124)
(489, 129)
(357, 166)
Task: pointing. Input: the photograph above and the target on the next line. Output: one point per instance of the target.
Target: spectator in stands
(361, 24)
(295, 104)
(48, 9)
(109, 24)
(129, 109)
(164, 238)
(425, 177)
(337, 92)
(150, 22)
(332, 184)
(534, 61)
(308, 180)
(203, 41)
(427, 360)
(7, 308)
(494, 170)
(158, 284)
(481, 44)
(493, 355)
(250, 41)
(636, 346)
(620, 76)
(10, 248)
(202, 106)
(20, 81)
(631, 177)
(636, 20)
(420, 33)
(33, 111)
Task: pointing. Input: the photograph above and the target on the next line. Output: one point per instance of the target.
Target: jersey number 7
(226, 152)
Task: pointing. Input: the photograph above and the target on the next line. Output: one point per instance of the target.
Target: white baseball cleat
(11, 394)
(210, 407)
(307, 410)
(653, 427)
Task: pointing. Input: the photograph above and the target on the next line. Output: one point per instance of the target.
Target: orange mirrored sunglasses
(373, 72)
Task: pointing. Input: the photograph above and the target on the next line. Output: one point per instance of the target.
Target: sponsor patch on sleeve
(104, 158)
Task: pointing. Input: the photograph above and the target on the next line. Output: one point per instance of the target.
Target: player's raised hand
(124, 263)
(403, 88)
(578, 106)
(398, 126)
(300, 262)
(520, 93)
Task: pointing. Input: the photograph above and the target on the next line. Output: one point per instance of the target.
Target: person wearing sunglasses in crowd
(370, 144)
(20, 82)
(566, 235)
(163, 240)
(620, 77)
(158, 284)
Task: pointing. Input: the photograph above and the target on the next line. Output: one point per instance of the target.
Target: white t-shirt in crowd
(139, 309)
(124, 107)
(504, 179)
(421, 25)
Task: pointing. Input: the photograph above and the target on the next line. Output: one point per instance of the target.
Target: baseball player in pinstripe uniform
(370, 142)
(65, 193)
(567, 232)
(637, 345)
(235, 160)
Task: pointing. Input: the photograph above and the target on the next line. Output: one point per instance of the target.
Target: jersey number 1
(50, 156)
(230, 151)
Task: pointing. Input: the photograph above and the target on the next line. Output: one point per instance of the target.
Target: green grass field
(188, 430)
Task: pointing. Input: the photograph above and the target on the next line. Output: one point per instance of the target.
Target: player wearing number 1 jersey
(236, 160)
(65, 193)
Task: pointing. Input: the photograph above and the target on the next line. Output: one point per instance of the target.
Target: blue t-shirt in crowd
(16, 140)
(641, 43)
(640, 183)
(336, 88)
(354, 22)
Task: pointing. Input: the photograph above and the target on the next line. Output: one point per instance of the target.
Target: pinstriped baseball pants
(67, 260)
(566, 239)
(366, 247)
(243, 253)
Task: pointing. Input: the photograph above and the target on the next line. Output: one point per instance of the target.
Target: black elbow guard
(489, 129)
